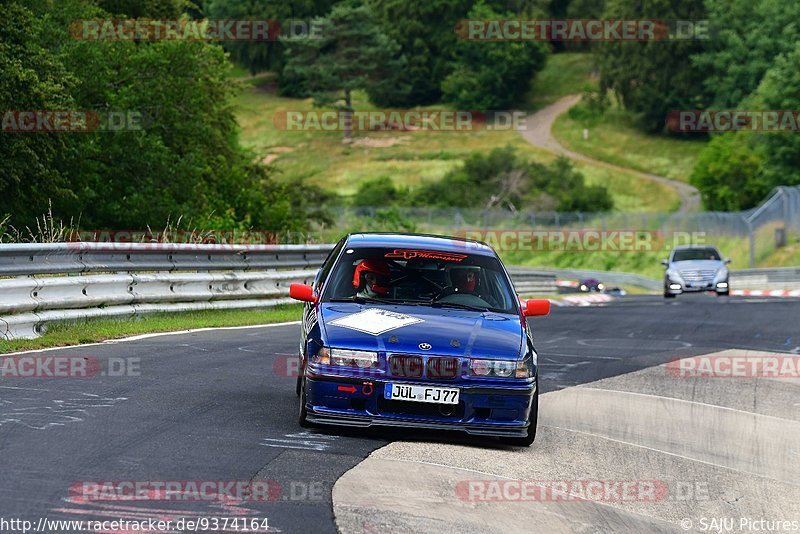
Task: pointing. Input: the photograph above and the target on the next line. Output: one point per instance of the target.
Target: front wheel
(668, 295)
(533, 419)
(723, 293)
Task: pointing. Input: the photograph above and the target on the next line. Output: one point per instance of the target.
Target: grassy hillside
(408, 158)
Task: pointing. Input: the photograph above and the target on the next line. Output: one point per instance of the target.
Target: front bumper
(676, 287)
(486, 411)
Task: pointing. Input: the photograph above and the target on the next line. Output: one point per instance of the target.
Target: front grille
(698, 275)
(446, 368)
(435, 367)
(406, 366)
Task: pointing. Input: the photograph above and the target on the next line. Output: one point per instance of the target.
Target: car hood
(696, 264)
(449, 332)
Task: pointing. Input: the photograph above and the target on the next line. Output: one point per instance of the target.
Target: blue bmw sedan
(418, 331)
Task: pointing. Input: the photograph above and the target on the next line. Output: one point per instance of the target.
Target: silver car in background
(695, 268)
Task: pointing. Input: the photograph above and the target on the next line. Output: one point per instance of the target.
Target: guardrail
(787, 278)
(766, 279)
(82, 257)
(609, 278)
(73, 281)
(527, 282)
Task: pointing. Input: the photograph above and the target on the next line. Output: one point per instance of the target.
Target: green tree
(185, 162)
(425, 33)
(737, 170)
(653, 77)
(747, 37)
(30, 79)
(491, 75)
(151, 9)
(353, 53)
(258, 56)
(728, 173)
(780, 90)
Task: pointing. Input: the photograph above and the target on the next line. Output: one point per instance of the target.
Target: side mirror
(665, 263)
(302, 292)
(727, 260)
(536, 307)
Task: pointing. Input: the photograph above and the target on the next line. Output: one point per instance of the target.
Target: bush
(500, 179)
(376, 192)
(728, 175)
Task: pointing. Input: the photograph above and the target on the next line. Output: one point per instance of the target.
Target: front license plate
(411, 393)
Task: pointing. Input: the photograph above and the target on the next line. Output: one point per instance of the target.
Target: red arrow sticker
(348, 389)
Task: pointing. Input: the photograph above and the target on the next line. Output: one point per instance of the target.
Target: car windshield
(423, 278)
(688, 254)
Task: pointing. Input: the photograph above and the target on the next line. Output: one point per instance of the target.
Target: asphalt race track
(220, 406)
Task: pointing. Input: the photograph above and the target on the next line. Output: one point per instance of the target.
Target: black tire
(668, 295)
(302, 417)
(723, 293)
(533, 419)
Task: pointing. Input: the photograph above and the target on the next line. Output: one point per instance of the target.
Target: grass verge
(95, 330)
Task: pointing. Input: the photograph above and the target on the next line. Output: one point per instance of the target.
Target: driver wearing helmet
(371, 278)
(464, 280)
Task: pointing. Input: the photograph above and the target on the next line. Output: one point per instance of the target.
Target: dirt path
(538, 132)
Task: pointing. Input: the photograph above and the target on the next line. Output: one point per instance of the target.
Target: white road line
(583, 356)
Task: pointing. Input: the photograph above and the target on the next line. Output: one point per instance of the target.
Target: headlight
(500, 368)
(504, 369)
(353, 358)
(480, 367)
